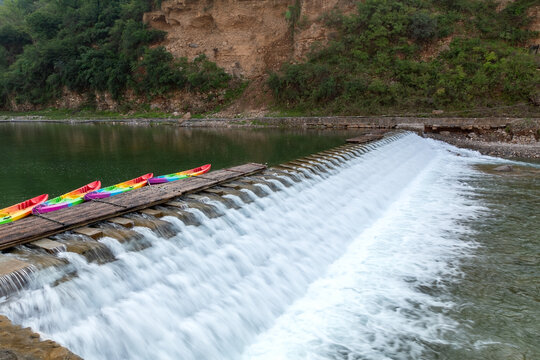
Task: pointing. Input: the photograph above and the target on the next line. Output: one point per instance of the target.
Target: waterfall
(329, 264)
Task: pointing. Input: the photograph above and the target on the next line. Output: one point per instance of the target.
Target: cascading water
(333, 266)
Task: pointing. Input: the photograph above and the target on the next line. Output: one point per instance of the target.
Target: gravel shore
(503, 149)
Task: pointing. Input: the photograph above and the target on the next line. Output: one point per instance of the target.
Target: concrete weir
(34, 243)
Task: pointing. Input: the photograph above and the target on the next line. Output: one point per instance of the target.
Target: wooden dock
(36, 227)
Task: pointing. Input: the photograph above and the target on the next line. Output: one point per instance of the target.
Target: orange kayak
(21, 210)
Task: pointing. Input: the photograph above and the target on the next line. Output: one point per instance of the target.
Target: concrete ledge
(122, 221)
(48, 245)
(90, 232)
(13, 274)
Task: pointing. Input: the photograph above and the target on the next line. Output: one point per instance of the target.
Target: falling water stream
(353, 262)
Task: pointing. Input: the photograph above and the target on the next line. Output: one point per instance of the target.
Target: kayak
(179, 175)
(71, 198)
(20, 210)
(119, 188)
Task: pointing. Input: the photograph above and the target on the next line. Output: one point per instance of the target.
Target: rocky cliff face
(245, 37)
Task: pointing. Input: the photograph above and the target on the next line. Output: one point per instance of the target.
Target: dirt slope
(246, 37)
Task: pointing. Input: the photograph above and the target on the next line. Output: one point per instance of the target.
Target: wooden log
(83, 214)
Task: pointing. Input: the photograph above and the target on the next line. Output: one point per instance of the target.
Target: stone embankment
(527, 150)
(518, 139)
(18, 343)
(354, 122)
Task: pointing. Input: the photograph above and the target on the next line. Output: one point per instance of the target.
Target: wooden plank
(247, 169)
(31, 227)
(82, 214)
(136, 198)
(221, 175)
(189, 185)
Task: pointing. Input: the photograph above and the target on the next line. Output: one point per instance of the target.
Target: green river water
(56, 158)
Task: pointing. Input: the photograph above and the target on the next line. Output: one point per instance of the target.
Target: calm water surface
(56, 158)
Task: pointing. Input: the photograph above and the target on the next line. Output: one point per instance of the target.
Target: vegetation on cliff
(415, 55)
(89, 47)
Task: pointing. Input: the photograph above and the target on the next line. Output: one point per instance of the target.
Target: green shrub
(373, 66)
(160, 76)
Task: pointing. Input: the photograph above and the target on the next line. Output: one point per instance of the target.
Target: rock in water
(505, 168)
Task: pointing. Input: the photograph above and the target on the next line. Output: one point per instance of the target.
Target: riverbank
(341, 122)
(518, 139)
(494, 148)
(496, 136)
(17, 342)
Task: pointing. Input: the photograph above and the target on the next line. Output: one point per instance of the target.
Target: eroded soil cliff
(246, 37)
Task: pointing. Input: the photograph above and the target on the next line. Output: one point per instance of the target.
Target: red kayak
(20, 210)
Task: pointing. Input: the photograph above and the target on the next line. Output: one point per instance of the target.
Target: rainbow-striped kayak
(71, 198)
(20, 210)
(119, 188)
(179, 175)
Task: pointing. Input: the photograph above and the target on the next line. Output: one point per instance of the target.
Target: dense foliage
(389, 55)
(90, 46)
